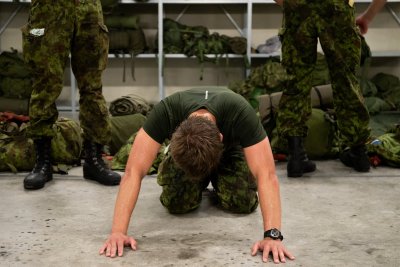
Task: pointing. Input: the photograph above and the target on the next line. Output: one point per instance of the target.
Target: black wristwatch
(273, 233)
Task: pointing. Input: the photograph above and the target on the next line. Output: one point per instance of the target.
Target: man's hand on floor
(114, 246)
(275, 247)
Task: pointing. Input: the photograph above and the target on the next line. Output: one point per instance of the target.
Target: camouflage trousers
(331, 22)
(55, 30)
(235, 189)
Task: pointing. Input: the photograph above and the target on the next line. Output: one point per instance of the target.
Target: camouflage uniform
(234, 186)
(55, 30)
(333, 23)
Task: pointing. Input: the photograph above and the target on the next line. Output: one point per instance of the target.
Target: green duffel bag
(122, 21)
(137, 41)
(13, 65)
(66, 146)
(375, 105)
(122, 128)
(17, 152)
(19, 88)
(119, 41)
(321, 142)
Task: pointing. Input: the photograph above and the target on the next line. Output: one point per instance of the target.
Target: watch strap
(274, 234)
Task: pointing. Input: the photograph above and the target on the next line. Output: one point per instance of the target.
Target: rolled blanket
(130, 104)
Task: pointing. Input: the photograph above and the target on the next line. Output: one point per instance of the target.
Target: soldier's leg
(46, 45)
(235, 186)
(343, 60)
(299, 54)
(89, 58)
(180, 194)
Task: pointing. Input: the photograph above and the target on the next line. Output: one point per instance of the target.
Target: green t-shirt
(236, 119)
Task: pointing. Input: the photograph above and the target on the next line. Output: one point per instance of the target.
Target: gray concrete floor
(333, 217)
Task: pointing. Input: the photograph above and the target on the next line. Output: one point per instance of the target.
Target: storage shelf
(394, 53)
(200, 1)
(121, 56)
(246, 29)
(260, 55)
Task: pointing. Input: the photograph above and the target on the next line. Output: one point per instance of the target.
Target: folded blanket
(130, 104)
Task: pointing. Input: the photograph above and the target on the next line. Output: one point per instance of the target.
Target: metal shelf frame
(245, 31)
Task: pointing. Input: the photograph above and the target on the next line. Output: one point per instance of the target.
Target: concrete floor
(333, 217)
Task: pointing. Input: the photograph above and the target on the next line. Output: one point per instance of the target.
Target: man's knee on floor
(177, 207)
(180, 203)
(239, 204)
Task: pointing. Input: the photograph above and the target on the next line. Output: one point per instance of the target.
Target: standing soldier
(55, 30)
(333, 23)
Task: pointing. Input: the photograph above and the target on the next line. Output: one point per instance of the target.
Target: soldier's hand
(114, 245)
(275, 247)
(362, 24)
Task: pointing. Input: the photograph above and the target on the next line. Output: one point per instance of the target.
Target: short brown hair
(196, 146)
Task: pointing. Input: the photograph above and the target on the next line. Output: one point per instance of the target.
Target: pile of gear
(126, 36)
(128, 116)
(17, 151)
(197, 41)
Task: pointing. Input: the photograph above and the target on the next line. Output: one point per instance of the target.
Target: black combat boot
(298, 162)
(43, 170)
(356, 157)
(95, 168)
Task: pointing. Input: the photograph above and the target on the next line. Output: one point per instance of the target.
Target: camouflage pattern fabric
(17, 88)
(387, 147)
(56, 29)
(13, 65)
(17, 152)
(234, 187)
(121, 157)
(333, 23)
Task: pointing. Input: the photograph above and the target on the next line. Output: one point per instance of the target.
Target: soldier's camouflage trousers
(55, 30)
(331, 22)
(235, 188)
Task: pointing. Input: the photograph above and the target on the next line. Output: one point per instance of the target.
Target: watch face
(275, 233)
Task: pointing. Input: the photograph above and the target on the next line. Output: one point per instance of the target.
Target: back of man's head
(196, 146)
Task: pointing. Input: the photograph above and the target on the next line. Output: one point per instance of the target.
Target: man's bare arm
(279, 2)
(262, 165)
(142, 155)
(369, 14)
